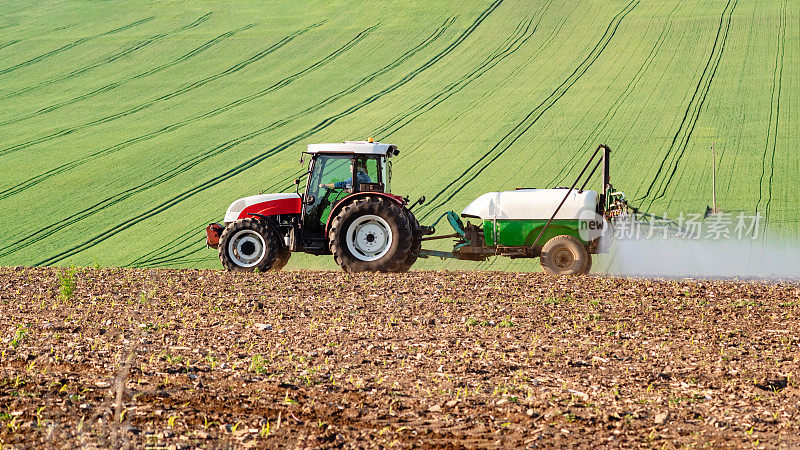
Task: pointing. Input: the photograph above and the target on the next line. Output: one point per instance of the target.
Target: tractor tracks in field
(175, 93)
(72, 44)
(239, 168)
(8, 43)
(680, 141)
(238, 102)
(164, 176)
(521, 34)
(620, 100)
(771, 144)
(111, 86)
(33, 181)
(551, 34)
(462, 180)
(103, 61)
(44, 33)
(173, 250)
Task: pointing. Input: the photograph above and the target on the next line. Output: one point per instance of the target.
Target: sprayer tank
(531, 204)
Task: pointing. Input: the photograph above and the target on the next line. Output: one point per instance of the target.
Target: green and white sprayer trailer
(348, 211)
(563, 227)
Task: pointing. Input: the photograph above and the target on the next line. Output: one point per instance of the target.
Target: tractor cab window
(369, 175)
(370, 167)
(330, 170)
(334, 170)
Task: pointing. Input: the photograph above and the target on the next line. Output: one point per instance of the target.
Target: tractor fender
(270, 222)
(341, 203)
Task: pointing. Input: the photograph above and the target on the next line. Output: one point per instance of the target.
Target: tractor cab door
(319, 200)
(386, 174)
(371, 178)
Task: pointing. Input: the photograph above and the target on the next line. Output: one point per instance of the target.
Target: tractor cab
(338, 171)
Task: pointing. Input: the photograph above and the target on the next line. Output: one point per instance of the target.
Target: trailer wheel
(565, 255)
(247, 245)
(416, 246)
(370, 235)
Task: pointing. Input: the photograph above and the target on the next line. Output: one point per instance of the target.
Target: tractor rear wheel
(247, 245)
(371, 234)
(565, 255)
(416, 246)
(282, 259)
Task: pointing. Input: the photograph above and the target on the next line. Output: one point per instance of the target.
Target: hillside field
(128, 126)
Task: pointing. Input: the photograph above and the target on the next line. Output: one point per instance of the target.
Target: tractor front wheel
(247, 245)
(565, 255)
(371, 235)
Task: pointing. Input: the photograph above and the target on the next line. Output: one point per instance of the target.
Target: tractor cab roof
(354, 147)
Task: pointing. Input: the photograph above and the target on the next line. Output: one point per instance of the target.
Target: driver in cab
(361, 177)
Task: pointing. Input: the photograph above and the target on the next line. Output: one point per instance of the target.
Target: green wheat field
(128, 126)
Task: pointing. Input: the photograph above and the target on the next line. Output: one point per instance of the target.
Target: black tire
(247, 245)
(416, 246)
(282, 259)
(371, 234)
(565, 255)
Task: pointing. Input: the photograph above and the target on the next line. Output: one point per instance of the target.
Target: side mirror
(297, 181)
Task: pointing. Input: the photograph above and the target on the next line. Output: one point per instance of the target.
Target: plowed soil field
(185, 358)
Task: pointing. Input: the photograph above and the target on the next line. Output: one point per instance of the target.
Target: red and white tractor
(347, 210)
